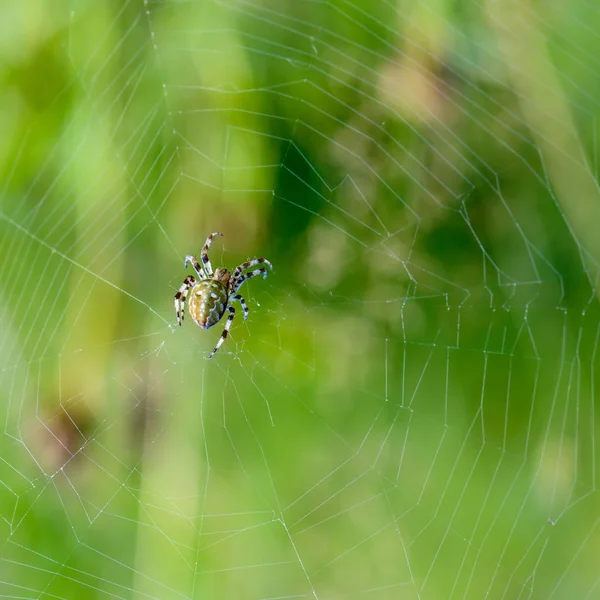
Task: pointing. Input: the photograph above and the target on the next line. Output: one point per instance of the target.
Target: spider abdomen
(208, 300)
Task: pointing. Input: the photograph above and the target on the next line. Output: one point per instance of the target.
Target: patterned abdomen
(207, 302)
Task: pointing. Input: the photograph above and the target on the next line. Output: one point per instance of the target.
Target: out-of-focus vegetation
(409, 412)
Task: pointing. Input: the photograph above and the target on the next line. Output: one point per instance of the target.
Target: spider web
(409, 412)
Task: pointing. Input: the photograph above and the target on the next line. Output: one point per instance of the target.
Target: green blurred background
(409, 411)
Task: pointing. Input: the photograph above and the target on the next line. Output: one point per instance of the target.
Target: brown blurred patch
(58, 438)
(412, 89)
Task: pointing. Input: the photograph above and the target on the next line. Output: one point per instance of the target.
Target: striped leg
(239, 299)
(192, 259)
(262, 271)
(251, 263)
(180, 297)
(204, 254)
(225, 331)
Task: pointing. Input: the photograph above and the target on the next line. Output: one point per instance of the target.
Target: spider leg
(225, 331)
(239, 299)
(236, 284)
(204, 254)
(192, 259)
(257, 261)
(180, 297)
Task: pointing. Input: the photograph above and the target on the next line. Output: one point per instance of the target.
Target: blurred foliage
(410, 410)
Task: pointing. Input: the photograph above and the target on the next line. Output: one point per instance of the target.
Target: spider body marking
(207, 304)
(211, 296)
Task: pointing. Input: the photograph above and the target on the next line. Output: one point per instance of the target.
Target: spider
(211, 296)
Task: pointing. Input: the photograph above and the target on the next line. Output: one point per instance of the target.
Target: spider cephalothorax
(210, 297)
